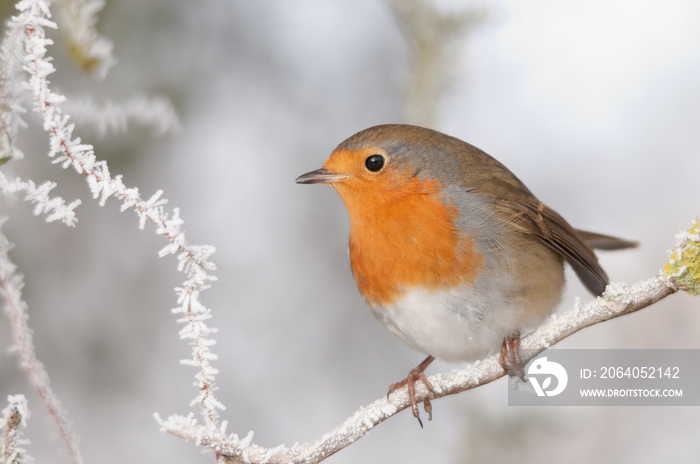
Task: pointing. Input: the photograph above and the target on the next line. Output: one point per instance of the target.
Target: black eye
(374, 163)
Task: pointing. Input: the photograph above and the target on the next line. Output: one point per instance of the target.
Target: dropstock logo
(545, 370)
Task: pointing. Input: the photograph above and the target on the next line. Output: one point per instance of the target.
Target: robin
(452, 253)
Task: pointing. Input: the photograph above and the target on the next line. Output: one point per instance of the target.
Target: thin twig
(66, 150)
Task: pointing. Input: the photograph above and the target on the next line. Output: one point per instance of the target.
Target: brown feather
(556, 233)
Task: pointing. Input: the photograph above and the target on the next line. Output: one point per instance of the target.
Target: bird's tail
(605, 242)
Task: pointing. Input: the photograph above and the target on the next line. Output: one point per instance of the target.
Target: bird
(450, 250)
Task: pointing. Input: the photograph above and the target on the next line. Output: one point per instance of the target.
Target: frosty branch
(69, 151)
(618, 300)
(25, 46)
(14, 418)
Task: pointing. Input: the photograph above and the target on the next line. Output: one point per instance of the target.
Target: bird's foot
(417, 373)
(510, 357)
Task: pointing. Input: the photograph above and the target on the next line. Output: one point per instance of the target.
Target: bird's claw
(510, 359)
(410, 380)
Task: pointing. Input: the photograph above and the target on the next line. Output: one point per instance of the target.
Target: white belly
(459, 325)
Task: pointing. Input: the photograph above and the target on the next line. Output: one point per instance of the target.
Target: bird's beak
(320, 176)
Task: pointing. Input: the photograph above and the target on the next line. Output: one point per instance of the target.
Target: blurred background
(594, 105)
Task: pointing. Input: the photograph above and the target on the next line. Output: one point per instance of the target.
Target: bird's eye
(374, 163)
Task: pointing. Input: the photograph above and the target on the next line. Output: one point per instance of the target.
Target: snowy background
(594, 105)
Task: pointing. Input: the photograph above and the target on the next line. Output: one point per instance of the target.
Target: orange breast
(406, 237)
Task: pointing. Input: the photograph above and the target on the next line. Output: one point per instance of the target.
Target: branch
(55, 207)
(193, 260)
(618, 300)
(14, 416)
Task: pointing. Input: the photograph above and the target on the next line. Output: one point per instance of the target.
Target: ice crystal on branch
(55, 208)
(14, 416)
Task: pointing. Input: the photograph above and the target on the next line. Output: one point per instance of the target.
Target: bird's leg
(510, 356)
(416, 374)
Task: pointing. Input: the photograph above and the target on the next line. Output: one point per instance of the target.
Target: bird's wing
(546, 224)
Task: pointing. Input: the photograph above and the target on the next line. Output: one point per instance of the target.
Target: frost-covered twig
(55, 207)
(14, 416)
(68, 151)
(618, 300)
(115, 117)
(9, 108)
(11, 284)
(92, 52)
